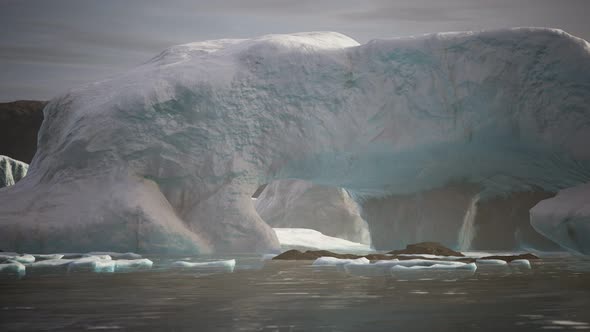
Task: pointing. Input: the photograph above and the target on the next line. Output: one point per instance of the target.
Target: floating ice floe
(13, 267)
(15, 257)
(132, 264)
(333, 261)
(520, 263)
(495, 262)
(467, 267)
(115, 255)
(41, 257)
(225, 265)
(92, 264)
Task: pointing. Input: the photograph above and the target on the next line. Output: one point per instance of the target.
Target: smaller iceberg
(491, 262)
(520, 264)
(225, 265)
(125, 265)
(14, 257)
(13, 268)
(339, 262)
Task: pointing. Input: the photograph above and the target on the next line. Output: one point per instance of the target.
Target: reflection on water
(293, 296)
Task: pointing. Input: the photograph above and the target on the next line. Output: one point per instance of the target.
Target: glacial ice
(309, 239)
(164, 158)
(225, 265)
(11, 171)
(491, 262)
(302, 204)
(565, 218)
(25, 259)
(520, 263)
(13, 268)
(333, 261)
(132, 264)
(403, 268)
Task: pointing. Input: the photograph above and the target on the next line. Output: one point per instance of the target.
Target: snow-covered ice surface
(333, 261)
(302, 204)
(565, 218)
(309, 239)
(164, 158)
(225, 265)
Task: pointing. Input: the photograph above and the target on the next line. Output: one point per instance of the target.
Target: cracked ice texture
(164, 157)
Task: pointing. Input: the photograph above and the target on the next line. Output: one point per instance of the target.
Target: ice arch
(166, 156)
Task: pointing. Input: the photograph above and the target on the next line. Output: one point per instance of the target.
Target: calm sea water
(293, 296)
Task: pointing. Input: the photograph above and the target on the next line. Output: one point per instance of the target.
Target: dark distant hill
(19, 123)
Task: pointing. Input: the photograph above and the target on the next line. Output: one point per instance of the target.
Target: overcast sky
(48, 46)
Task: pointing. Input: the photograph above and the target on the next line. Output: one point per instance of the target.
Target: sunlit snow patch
(309, 239)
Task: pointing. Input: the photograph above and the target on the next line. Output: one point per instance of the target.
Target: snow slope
(165, 157)
(301, 204)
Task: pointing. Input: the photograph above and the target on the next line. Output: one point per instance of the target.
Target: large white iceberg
(165, 157)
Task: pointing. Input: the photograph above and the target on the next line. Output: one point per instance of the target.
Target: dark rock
(427, 248)
(19, 123)
(312, 255)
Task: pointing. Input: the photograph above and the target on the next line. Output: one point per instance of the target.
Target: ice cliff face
(301, 204)
(166, 156)
(566, 218)
(11, 171)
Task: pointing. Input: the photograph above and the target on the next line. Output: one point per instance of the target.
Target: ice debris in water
(521, 263)
(468, 267)
(116, 255)
(13, 267)
(333, 261)
(226, 265)
(497, 262)
(14, 257)
(132, 264)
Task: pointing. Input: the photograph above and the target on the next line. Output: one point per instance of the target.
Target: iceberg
(225, 265)
(164, 158)
(92, 264)
(520, 263)
(14, 257)
(402, 268)
(333, 261)
(123, 265)
(496, 262)
(13, 268)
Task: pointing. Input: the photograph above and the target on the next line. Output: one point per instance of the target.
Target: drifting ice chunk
(420, 262)
(227, 265)
(92, 264)
(50, 264)
(521, 263)
(333, 261)
(98, 256)
(468, 267)
(115, 255)
(42, 257)
(497, 262)
(14, 257)
(14, 267)
(132, 264)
